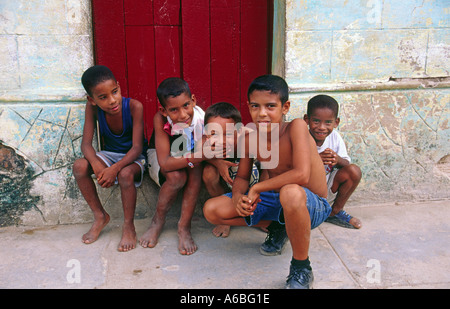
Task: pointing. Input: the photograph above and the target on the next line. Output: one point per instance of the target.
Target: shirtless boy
(295, 191)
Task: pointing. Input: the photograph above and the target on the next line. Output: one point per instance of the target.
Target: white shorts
(331, 195)
(153, 167)
(113, 157)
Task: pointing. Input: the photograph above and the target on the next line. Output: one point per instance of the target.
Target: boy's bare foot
(355, 222)
(128, 241)
(96, 228)
(186, 244)
(150, 238)
(342, 218)
(221, 231)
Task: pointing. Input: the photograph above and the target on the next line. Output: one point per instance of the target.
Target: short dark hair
(94, 76)
(323, 101)
(171, 87)
(273, 83)
(224, 110)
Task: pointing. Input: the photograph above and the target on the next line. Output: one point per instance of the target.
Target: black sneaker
(299, 278)
(275, 240)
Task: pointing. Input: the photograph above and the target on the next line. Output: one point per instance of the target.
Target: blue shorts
(270, 208)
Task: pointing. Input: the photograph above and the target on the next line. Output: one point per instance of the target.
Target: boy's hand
(244, 206)
(247, 203)
(222, 167)
(97, 167)
(107, 177)
(329, 157)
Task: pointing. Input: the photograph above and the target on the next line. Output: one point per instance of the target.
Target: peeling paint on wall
(399, 140)
(42, 108)
(343, 41)
(361, 52)
(386, 63)
(47, 140)
(15, 183)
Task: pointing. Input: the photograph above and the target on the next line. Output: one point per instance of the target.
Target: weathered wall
(396, 128)
(45, 46)
(386, 63)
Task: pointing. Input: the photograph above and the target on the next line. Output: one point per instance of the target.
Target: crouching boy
(294, 193)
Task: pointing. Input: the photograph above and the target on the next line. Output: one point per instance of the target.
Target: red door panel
(167, 12)
(167, 51)
(141, 67)
(109, 38)
(225, 51)
(137, 12)
(217, 46)
(197, 49)
(255, 49)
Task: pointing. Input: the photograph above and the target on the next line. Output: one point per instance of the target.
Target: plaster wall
(44, 48)
(387, 64)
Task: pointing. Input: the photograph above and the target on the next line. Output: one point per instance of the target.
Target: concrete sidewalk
(399, 246)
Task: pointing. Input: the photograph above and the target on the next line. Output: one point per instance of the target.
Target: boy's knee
(126, 177)
(350, 173)
(207, 210)
(354, 172)
(292, 196)
(176, 179)
(80, 167)
(210, 174)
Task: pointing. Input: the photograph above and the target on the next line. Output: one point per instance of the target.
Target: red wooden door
(217, 46)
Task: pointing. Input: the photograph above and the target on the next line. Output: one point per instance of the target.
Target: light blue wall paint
(348, 41)
(396, 132)
(386, 63)
(44, 48)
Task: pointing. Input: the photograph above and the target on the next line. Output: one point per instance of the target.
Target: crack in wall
(381, 125)
(418, 114)
(62, 135)
(47, 138)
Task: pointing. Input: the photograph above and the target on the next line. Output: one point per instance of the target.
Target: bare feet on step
(150, 238)
(221, 231)
(186, 245)
(96, 228)
(128, 241)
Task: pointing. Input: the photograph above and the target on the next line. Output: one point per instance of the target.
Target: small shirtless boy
(295, 191)
(342, 176)
(122, 159)
(219, 174)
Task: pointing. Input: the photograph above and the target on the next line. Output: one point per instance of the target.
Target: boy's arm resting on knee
(88, 135)
(109, 174)
(341, 162)
(342, 157)
(241, 182)
(166, 162)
